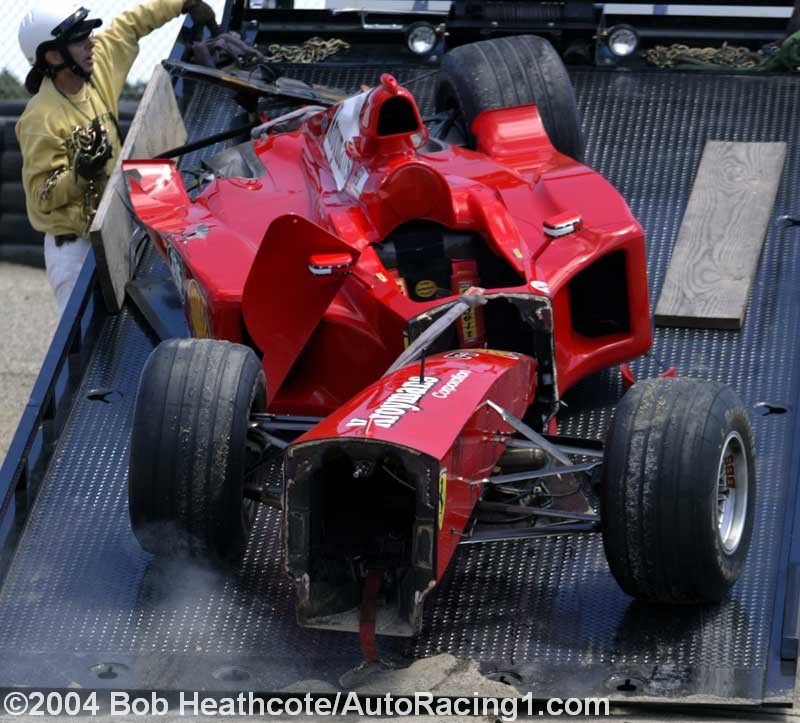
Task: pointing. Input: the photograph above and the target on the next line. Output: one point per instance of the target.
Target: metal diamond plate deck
(546, 613)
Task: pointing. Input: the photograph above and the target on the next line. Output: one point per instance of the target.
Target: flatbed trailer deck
(82, 605)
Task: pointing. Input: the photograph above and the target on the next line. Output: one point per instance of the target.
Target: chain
(729, 56)
(50, 183)
(312, 50)
(93, 144)
(91, 200)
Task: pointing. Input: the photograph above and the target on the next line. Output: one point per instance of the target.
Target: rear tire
(678, 491)
(188, 448)
(507, 72)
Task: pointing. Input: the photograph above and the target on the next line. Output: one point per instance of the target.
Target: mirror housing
(338, 264)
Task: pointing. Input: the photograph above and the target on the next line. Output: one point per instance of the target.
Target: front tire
(189, 448)
(678, 491)
(507, 72)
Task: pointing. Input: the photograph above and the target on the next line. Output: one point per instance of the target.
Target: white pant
(63, 265)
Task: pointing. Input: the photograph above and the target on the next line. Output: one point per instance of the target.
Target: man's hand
(92, 152)
(202, 14)
(91, 168)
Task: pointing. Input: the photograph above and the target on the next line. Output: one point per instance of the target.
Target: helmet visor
(76, 27)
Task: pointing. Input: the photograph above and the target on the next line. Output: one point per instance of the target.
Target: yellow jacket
(53, 193)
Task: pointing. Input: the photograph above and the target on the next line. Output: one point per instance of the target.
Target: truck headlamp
(623, 40)
(421, 38)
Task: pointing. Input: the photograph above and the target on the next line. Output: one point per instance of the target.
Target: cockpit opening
(429, 261)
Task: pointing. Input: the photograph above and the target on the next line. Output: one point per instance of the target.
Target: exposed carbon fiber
(545, 614)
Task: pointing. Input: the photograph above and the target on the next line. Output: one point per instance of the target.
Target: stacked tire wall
(19, 242)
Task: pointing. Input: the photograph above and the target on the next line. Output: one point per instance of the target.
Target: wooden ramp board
(716, 255)
(156, 127)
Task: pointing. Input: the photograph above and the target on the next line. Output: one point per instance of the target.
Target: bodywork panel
(416, 214)
(390, 481)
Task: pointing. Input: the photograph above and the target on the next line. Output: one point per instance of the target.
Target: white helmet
(53, 21)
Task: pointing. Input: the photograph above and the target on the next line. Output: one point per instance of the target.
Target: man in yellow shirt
(69, 133)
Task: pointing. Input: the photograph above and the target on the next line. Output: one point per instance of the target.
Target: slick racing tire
(678, 491)
(189, 449)
(507, 72)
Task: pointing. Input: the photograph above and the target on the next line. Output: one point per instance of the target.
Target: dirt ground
(28, 319)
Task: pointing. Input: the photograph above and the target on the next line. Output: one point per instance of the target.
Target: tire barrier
(11, 166)
(12, 197)
(19, 243)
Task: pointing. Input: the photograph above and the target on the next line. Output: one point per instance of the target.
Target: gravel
(28, 319)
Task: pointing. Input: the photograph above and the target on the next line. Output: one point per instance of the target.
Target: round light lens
(421, 38)
(623, 40)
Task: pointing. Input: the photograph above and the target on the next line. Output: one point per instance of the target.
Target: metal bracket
(787, 221)
(531, 434)
(503, 479)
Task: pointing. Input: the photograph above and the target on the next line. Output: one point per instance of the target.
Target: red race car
(413, 300)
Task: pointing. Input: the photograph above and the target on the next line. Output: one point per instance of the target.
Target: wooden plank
(716, 255)
(156, 127)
